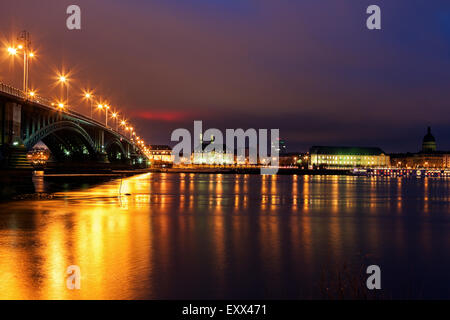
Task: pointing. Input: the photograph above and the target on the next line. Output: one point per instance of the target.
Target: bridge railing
(11, 90)
(20, 94)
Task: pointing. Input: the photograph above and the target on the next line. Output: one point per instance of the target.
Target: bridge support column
(13, 153)
(102, 155)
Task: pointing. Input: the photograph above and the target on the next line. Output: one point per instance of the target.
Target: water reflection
(158, 236)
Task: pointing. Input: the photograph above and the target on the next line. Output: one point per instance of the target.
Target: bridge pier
(13, 153)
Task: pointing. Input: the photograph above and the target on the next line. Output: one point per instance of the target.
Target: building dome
(429, 142)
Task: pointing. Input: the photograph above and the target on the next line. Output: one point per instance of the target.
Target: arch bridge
(75, 141)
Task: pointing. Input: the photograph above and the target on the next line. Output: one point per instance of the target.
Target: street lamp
(65, 81)
(114, 115)
(123, 124)
(24, 38)
(31, 94)
(88, 96)
(106, 107)
(100, 107)
(106, 115)
(12, 51)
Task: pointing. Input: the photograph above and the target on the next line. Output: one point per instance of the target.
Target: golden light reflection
(399, 194)
(128, 234)
(306, 193)
(426, 198)
(294, 192)
(96, 234)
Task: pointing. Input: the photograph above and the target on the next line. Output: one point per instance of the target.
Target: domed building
(429, 157)
(429, 142)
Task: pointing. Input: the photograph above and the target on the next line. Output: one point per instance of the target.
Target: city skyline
(322, 78)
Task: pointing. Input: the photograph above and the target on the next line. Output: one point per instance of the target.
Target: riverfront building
(207, 155)
(347, 157)
(160, 155)
(428, 157)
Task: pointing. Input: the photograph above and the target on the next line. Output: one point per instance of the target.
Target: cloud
(168, 116)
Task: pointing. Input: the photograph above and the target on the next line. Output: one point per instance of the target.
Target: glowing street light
(12, 51)
(115, 115)
(24, 38)
(88, 96)
(64, 82)
(106, 108)
(131, 131)
(123, 125)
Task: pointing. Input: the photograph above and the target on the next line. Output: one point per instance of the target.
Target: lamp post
(64, 81)
(24, 38)
(88, 96)
(106, 115)
(106, 107)
(100, 107)
(60, 107)
(114, 115)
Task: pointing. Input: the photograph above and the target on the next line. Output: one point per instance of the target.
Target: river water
(212, 236)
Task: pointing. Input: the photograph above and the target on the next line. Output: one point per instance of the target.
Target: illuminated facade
(219, 156)
(38, 157)
(160, 155)
(446, 160)
(348, 157)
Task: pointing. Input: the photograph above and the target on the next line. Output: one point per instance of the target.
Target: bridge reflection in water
(225, 236)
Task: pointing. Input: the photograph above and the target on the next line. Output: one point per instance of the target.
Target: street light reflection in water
(174, 236)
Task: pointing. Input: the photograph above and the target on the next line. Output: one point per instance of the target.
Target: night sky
(310, 68)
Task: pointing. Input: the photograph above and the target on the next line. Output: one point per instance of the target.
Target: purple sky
(310, 68)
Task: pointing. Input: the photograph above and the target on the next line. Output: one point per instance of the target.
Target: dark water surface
(190, 236)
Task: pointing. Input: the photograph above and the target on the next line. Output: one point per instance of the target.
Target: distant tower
(429, 143)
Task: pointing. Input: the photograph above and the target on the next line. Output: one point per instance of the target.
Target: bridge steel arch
(55, 127)
(116, 142)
